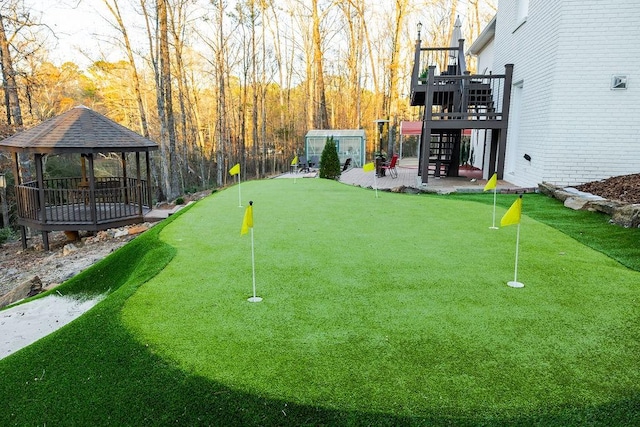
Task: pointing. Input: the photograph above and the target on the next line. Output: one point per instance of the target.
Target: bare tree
(401, 7)
(9, 78)
(321, 118)
(172, 181)
(115, 11)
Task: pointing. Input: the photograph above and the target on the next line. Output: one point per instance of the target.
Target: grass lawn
(389, 311)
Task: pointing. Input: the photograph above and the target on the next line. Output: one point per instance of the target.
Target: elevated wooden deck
(454, 100)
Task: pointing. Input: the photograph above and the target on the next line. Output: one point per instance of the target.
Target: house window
(522, 11)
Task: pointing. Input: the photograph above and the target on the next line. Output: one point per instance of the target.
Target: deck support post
(506, 103)
(425, 138)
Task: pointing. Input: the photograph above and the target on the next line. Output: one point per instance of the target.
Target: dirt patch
(66, 258)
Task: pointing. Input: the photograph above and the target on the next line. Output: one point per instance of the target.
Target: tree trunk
(9, 75)
(173, 189)
(115, 11)
(392, 100)
(177, 22)
(322, 119)
(220, 65)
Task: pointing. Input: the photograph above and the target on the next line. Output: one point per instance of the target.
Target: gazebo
(84, 202)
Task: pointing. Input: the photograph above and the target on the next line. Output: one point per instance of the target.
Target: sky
(80, 28)
(85, 36)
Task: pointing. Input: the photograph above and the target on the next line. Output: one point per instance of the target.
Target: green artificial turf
(388, 311)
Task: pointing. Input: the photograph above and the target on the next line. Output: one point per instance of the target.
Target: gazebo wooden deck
(86, 202)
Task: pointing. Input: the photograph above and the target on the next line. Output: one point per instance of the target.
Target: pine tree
(329, 161)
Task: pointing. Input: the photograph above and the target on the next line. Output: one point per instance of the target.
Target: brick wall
(574, 127)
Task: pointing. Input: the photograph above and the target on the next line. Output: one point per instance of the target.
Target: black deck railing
(468, 97)
(71, 201)
(441, 82)
(448, 61)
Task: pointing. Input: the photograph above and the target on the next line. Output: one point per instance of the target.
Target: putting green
(395, 305)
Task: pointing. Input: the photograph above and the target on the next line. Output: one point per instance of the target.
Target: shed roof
(335, 132)
(79, 130)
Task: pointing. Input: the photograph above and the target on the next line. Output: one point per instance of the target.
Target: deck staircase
(444, 144)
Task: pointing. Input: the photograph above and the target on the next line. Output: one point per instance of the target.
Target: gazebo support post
(125, 181)
(138, 183)
(17, 180)
(149, 196)
(43, 201)
(92, 191)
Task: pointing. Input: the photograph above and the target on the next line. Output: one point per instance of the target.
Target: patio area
(408, 178)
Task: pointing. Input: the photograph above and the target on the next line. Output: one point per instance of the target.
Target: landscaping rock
(120, 232)
(24, 290)
(575, 203)
(627, 216)
(562, 195)
(69, 249)
(137, 229)
(548, 189)
(604, 206)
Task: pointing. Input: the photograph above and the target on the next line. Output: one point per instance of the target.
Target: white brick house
(575, 101)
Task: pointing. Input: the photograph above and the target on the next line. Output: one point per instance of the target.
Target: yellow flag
(235, 170)
(513, 214)
(247, 222)
(491, 184)
(294, 162)
(368, 167)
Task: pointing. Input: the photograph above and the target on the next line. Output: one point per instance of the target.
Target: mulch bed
(625, 188)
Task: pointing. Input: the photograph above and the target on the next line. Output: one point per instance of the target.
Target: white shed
(351, 143)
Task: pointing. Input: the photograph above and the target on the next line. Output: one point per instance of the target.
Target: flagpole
(515, 283)
(375, 183)
(493, 226)
(239, 192)
(254, 298)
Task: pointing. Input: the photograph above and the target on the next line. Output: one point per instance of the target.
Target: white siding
(480, 137)
(485, 59)
(574, 127)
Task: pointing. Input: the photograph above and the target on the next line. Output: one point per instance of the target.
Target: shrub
(329, 161)
(179, 201)
(6, 234)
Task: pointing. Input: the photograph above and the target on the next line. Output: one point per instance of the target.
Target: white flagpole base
(493, 228)
(254, 299)
(515, 284)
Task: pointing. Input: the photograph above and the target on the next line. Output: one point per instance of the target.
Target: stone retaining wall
(623, 214)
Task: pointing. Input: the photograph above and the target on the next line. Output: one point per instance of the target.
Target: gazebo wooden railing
(69, 201)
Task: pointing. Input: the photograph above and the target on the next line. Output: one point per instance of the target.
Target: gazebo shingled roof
(79, 130)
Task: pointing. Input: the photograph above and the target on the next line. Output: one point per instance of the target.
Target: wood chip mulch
(625, 188)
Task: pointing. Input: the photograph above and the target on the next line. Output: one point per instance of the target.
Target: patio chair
(303, 165)
(347, 163)
(391, 167)
(314, 162)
